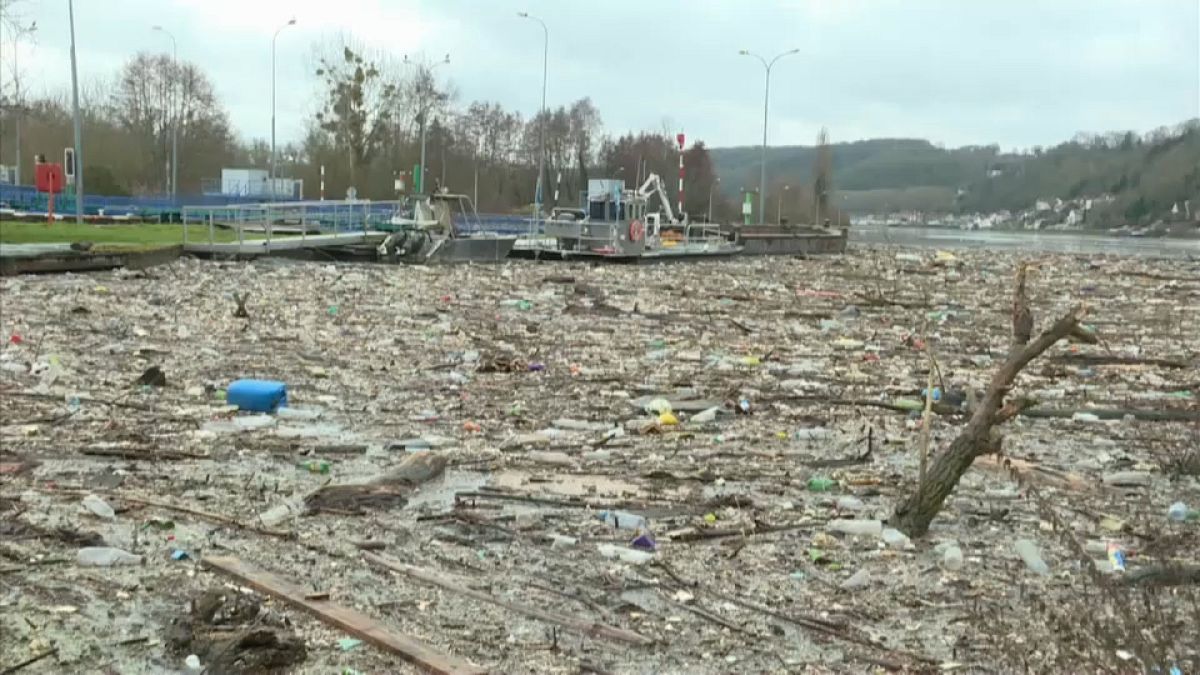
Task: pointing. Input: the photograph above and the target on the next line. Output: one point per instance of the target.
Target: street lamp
(291, 22)
(174, 112)
(422, 113)
(710, 193)
(762, 181)
(779, 206)
(542, 141)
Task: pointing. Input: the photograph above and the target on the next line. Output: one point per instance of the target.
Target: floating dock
(55, 258)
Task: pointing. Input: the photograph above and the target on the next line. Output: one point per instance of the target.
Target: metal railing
(269, 220)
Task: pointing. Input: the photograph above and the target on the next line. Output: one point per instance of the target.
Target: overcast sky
(1013, 72)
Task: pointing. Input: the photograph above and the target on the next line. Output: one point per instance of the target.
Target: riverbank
(1014, 240)
(790, 383)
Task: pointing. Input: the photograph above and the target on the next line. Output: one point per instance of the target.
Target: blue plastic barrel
(257, 395)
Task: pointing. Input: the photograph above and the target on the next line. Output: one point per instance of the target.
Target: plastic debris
(859, 579)
(1027, 549)
(819, 484)
(863, 528)
(99, 507)
(257, 395)
(106, 556)
(627, 555)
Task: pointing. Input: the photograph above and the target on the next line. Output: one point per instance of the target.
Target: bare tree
(142, 105)
(358, 108)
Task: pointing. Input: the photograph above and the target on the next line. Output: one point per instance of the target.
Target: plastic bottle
(623, 520)
(1178, 512)
(848, 503)
(895, 538)
(952, 557)
(629, 555)
(1028, 550)
(106, 556)
(99, 507)
(819, 484)
(864, 528)
(315, 466)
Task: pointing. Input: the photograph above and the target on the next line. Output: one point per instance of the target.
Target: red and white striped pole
(680, 139)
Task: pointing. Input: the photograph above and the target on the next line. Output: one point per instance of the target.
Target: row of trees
(366, 131)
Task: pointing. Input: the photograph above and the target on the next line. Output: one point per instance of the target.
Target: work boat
(440, 228)
(616, 224)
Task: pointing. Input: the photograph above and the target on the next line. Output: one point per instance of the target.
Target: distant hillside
(1146, 175)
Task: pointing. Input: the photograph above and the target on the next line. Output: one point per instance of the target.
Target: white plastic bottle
(106, 556)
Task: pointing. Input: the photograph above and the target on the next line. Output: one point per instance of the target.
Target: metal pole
(292, 22)
(423, 116)
(542, 141)
(762, 177)
(174, 121)
(174, 111)
(77, 122)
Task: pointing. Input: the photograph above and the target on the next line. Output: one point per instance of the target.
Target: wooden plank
(588, 628)
(353, 622)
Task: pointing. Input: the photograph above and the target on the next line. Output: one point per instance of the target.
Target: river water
(1057, 242)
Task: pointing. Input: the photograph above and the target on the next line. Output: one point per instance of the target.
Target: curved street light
(422, 113)
(762, 181)
(542, 141)
(291, 22)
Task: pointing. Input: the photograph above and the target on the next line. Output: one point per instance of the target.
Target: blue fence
(25, 197)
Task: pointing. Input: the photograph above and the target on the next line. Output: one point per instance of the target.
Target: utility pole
(77, 122)
(714, 184)
(779, 206)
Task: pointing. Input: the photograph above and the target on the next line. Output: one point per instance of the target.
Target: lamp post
(542, 141)
(762, 181)
(174, 112)
(714, 184)
(76, 120)
(291, 22)
(779, 206)
(422, 113)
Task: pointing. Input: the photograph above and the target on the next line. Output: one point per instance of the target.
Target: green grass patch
(138, 236)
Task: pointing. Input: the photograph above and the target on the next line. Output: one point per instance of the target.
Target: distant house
(1041, 205)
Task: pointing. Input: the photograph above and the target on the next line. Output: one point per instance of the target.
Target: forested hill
(1147, 175)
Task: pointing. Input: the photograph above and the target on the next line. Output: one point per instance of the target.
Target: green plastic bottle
(320, 466)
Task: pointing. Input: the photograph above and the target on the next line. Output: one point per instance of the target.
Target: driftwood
(240, 523)
(1114, 360)
(1163, 575)
(390, 490)
(583, 627)
(1162, 415)
(980, 437)
(349, 620)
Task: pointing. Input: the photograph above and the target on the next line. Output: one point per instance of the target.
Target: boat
(616, 224)
(787, 239)
(425, 229)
